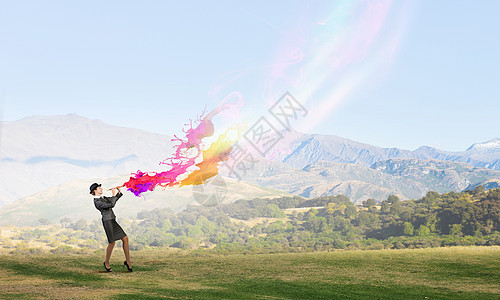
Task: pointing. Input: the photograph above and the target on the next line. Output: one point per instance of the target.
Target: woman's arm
(108, 203)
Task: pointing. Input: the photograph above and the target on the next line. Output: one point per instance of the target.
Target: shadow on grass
(453, 271)
(51, 272)
(260, 289)
(15, 296)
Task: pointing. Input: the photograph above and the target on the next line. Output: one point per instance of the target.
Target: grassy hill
(443, 273)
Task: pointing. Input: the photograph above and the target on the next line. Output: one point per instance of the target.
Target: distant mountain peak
(51, 117)
(493, 144)
(65, 120)
(425, 148)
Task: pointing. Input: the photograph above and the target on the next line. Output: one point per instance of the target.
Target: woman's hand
(114, 189)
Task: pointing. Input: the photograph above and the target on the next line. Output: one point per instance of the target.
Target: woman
(113, 230)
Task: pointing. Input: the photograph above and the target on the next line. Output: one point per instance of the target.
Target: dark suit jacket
(105, 204)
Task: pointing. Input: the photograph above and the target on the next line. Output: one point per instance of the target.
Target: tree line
(292, 224)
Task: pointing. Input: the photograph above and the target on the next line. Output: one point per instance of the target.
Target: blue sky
(392, 74)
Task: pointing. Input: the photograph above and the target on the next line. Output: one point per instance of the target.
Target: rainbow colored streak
(332, 51)
(184, 160)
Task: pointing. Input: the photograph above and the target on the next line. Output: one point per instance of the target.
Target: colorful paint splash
(219, 151)
(187, 153)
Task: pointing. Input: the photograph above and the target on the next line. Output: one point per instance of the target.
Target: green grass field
(436, 273)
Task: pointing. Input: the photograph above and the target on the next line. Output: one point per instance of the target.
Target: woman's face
(98, 191)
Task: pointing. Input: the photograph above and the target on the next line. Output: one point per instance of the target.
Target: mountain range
(39, 153)
(310, 148)
(405, 178)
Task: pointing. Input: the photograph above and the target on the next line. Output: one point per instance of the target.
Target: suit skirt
(113, 230)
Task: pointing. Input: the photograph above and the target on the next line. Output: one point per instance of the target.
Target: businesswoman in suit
(113, 230)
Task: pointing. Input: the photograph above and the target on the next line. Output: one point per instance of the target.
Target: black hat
(93, 187)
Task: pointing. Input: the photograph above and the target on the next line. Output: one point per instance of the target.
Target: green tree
(276, 227)
(423, 231)
(367, 219)
(493, 194)
(166, 225)
(272, 211)
(311, 213)
(194, 232)
(80, 225)
(396, 209)
(456, 230)
(478, 191)
(408, 229)
(392, 199)
(206, 226)
(430, 198)
(43, 221)
(369, 203)
(384, 206)
(65, 221)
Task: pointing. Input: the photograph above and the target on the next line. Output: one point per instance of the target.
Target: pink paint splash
(184, 160)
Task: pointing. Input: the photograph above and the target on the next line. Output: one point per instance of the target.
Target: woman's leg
(126, 250)
(109, 250)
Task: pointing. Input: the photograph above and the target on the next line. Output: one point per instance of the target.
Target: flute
(116, 187)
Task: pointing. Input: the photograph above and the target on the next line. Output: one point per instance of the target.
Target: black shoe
(107, 270)
(128, 268)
